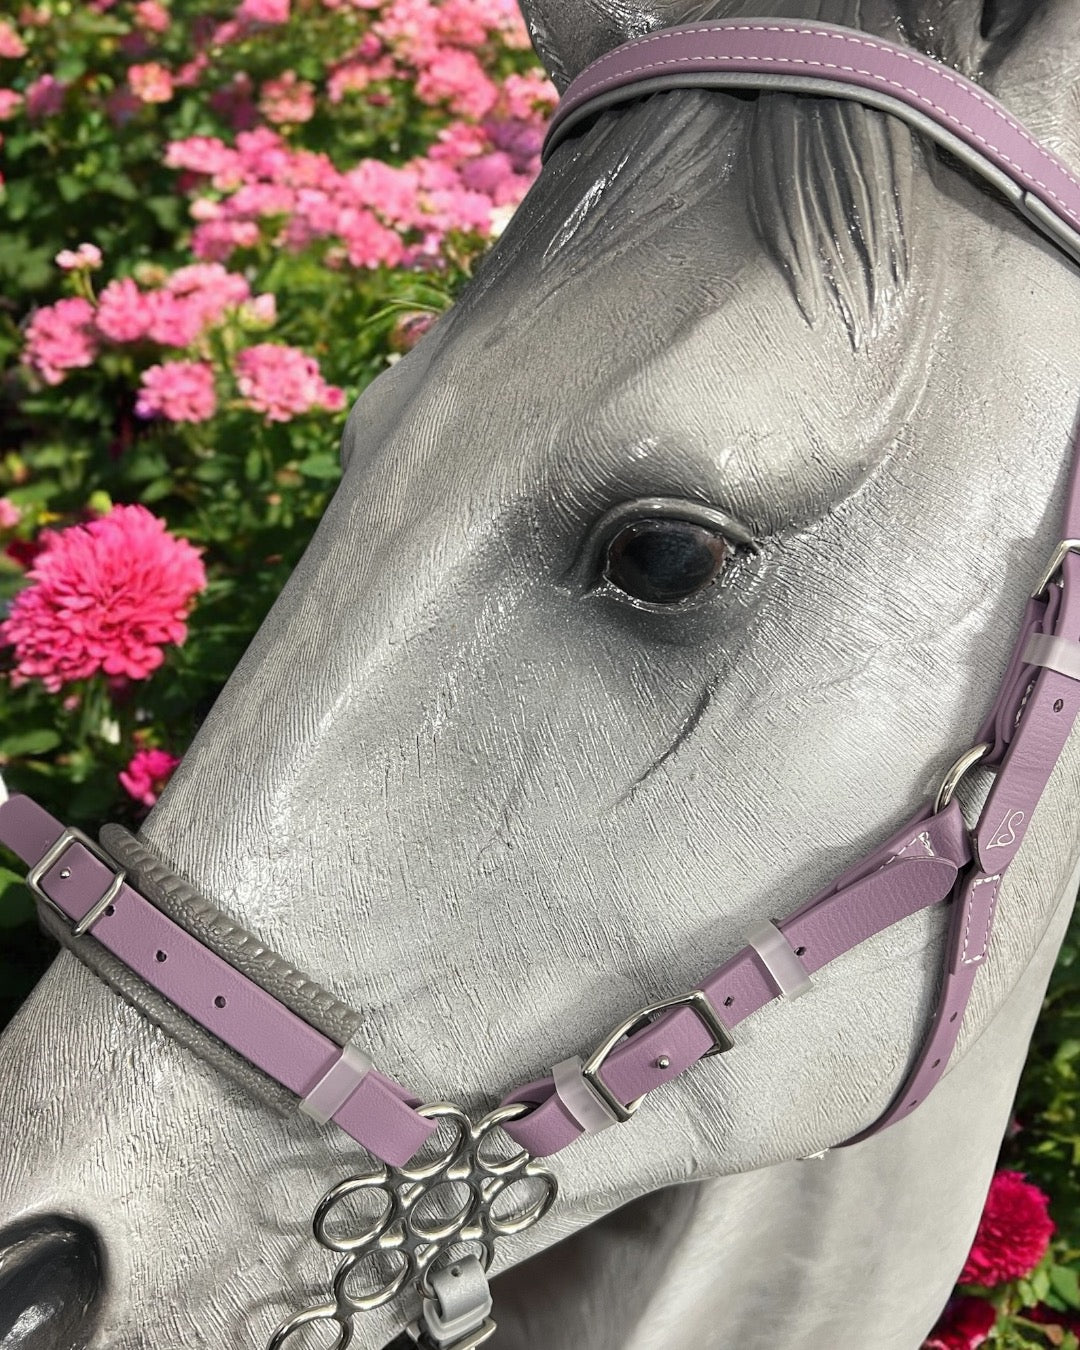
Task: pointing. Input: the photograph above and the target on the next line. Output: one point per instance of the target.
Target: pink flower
(1013, 1235)
(151, 16)
(85, 256)
(264, 11)
(287, 100)
(45, 97)
(219, 239)
(964, 1325)
(208, 155)
(60, 338)
(282, 382)
(152, 82)
(458, 78)
(11, 44)
(10, 515)
(233, 103)
(10, 103)
(105, 596)
(122, 314)
(146, 775)
(181, 391)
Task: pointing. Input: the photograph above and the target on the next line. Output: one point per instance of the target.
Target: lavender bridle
(935, 858)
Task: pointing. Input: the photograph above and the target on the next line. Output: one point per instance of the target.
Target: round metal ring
(953, 778)
(440, 1230)
(518, 1223)
(440, 1111)
(493, 1119)
(371, 1181)
(325, 1313)
(380, 1295)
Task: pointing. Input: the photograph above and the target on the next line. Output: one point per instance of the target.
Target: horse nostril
(50, 1279)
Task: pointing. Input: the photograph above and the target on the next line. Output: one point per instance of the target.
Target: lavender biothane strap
(823, 58)
(927, 861)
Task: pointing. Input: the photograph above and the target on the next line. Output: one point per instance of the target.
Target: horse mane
(829, 188)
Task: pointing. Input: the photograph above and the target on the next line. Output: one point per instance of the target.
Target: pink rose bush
(106, 596)
(250, 207)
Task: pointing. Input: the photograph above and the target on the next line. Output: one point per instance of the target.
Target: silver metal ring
(953, 778)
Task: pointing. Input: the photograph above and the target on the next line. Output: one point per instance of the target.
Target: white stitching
(965, 959)
(962, 86)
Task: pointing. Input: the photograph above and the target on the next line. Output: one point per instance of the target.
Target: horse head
(667, 574)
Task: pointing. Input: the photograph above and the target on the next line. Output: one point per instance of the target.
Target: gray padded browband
(182, 903)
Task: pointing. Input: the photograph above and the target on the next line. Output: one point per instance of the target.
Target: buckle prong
(52, 855)
(697, 1000)
(1065, 547)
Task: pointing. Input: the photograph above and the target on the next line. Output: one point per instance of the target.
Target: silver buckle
(697, 1000)
(1054, 566)
(52, 856)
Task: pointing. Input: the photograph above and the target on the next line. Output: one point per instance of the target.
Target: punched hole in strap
(785, 969)
(573, 1089)
(337, 1085)
(1054, 653)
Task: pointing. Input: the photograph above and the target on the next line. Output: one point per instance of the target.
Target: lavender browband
(932, 859)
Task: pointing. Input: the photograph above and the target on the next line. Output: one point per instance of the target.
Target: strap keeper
(576, 1093)
(1054, 653)
(785, 969)
(337, 1085)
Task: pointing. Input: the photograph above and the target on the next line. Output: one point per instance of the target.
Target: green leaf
(16, 902)
(1066, 1284)
(35, 742)
(1040, 1283)
(321, 466)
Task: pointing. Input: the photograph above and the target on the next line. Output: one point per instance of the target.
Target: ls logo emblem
(1006, 831)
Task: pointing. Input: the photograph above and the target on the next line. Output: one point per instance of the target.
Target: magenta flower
(45, 97)
(105, 596)
(60, 338)
(146, 775)
(1014, 1232)
(282, 382)
(181, 391)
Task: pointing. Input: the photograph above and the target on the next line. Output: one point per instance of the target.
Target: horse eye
(662, 562)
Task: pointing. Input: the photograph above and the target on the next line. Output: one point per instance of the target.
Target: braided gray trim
(182, 903)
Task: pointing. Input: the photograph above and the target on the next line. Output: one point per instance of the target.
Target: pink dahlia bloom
(964, 1325)
(1013, 1234)
(60, 338)
(282, 382)
(145, 777)
(181, 391)
(105, 596)
(10, 103)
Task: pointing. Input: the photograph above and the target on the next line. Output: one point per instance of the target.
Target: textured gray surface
(494, 810)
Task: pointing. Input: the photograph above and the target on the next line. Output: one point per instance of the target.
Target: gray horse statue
(665, 579)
